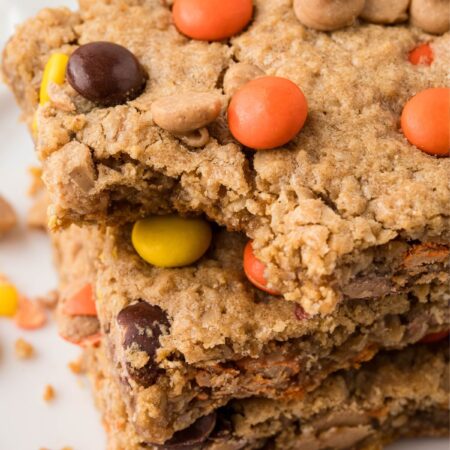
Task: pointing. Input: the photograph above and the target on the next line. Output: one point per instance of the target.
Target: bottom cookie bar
(397, 394)
(184, 342)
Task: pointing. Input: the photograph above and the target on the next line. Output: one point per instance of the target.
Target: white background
(26, 421)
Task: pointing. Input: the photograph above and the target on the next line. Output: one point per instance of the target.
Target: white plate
(26, 421)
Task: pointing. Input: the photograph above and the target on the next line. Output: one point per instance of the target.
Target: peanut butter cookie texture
(249, 211)
(398, 394)
(182, 342)
(334, 210)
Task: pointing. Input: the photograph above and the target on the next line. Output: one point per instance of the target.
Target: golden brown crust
(318, 209)
(219, 338)
(402, 394)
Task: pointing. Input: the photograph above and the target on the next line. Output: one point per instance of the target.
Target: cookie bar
(183, 342)
(347, 209)
(398, 394)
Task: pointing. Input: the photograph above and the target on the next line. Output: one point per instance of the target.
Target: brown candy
(192, 437)
(142, 324)
(105, 73)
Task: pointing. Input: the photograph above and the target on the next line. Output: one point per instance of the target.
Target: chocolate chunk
(105, 73)
(368, 286)
(192, 437)
(269, 445)
(142, 326)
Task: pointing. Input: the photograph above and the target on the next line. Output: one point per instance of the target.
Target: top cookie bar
(326, 209)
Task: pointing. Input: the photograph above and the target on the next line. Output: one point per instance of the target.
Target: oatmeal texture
(401, 394)
(320, 209)
(184, 342)
(80, 271)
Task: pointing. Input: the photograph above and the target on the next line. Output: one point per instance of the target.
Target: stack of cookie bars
(298, 297)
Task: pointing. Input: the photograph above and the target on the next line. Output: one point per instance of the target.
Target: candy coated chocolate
(105, 73)
(142, 324)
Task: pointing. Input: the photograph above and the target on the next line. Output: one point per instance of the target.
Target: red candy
(435, 337)
(421, 55)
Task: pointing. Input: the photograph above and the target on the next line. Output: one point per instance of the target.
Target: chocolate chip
(105, 73)
(192, 437)
(142, 325)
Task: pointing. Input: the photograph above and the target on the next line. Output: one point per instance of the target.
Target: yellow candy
(9, 299)
(171, 241)
(55, 71)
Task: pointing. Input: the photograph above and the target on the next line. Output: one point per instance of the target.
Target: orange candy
(254, 269)
(82, 303)
(435, 337)
(211, 20)
(422, 54)
(88, 341)
(267, 112)
(425, 121)
(30, 315)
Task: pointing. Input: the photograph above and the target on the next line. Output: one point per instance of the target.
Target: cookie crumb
(76, 367)
(37, 214)
(30, 315)
(8, 217)
(36, 184)
(67, 448)
(23, 349)
(49, 301)
(49, 393)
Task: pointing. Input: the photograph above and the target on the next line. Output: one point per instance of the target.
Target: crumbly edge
(261, 348)
(399, 394)
(315, 274)
(8, 217)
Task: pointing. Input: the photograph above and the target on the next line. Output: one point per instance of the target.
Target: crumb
(49, 393)
(76, 367)
(67, 448)
(37, 214)
(50, 300)
(8, 217)
(36, 181)
(30, 315)
(24, 350)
